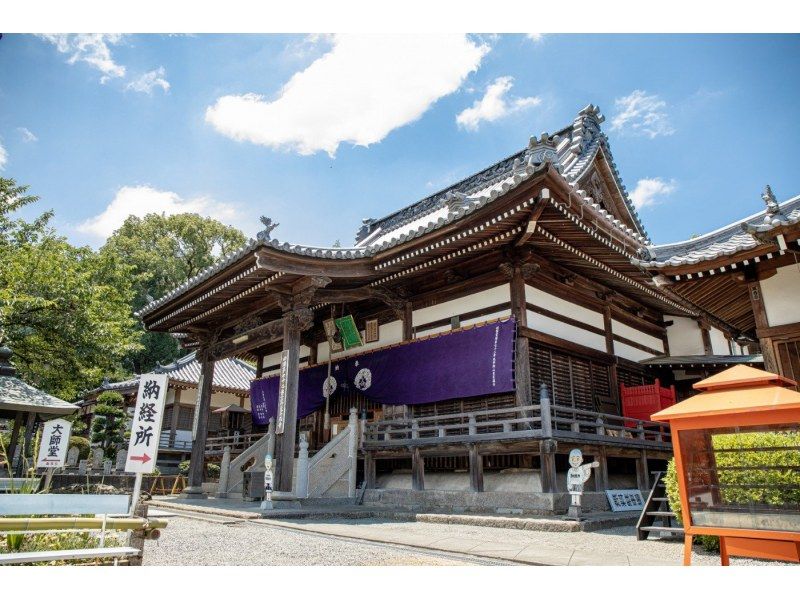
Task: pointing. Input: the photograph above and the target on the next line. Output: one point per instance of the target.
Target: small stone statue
(577, 475)
(73, 455)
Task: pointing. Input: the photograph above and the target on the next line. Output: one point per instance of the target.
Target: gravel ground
(195, 542)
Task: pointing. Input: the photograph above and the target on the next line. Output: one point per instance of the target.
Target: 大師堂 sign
(55, 442)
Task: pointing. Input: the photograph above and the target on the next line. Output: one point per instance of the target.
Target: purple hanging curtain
(465, 363)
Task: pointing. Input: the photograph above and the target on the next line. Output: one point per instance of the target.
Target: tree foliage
(64, 310)
(163, 252)
(109, 422)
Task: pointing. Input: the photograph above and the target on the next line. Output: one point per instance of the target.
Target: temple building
(229, 420)
(483, 332)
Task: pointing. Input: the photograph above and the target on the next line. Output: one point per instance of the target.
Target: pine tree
(109, 423)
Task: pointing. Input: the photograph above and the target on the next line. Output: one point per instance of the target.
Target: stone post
(544, 411)
(302, 469)
(352, 452)
(271, 441)
(197, 463)
(417, 470)
(224, 470)
(475, 469)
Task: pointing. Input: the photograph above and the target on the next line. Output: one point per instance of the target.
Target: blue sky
(319, 132)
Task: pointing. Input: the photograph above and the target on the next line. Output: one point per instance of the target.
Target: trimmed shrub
(212, 471)
(82, 444)
(183, 467)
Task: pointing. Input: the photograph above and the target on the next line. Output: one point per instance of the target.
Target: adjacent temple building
(504, 321)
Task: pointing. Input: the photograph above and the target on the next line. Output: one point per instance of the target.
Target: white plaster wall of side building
(648, 340)
(632, 353)
(273, 359)
(218, 399)
(719, 344)
(684, 336)
(560, 329)
(781, 296)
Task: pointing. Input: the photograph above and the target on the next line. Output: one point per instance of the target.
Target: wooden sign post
(146, 429)
(53, 447)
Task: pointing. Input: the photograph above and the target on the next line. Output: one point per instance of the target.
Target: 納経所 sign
(146, 424)
(55, 442)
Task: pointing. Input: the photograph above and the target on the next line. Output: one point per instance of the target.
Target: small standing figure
(577, 475)
(268, 479)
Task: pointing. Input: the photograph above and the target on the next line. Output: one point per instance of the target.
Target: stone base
(193, 492)
(529, 503)
(281, 500)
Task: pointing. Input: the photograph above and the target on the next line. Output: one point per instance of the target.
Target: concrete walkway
(520, 546)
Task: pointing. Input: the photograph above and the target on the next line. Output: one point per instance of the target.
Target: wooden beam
(245, 341)
(530, 228)
(408, 321)
(547, 469)
(522, 366)
(176, 406)
(12, 445)
(369, 471)
(760, 314)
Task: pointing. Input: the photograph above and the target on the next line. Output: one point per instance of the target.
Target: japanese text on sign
(146, 424)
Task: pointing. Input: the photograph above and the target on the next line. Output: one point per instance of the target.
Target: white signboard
(146, 424)
(625, 500)
(55, 443)
(281, 418)
(196, 419)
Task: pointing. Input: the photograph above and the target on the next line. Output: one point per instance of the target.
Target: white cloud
(149, 81)
(143, 199)
(27, 135)
(641, 114)
(535, 37)
(648, 191)
(494, 105)
(358, 92)
(91, 48)
(3, 157)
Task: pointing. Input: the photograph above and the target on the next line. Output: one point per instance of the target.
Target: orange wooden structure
(737, 454)
(641, 402)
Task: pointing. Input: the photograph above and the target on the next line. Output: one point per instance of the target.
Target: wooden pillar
(290, 376)
(312, 347)
(613, 377)
(369, 471)
(522, 364)
(760, 315)
(12, 445)
(408, 321)
(176, 406)
(547, 468)
(259, 366)
(475, 469)
(601, 480)
(203, 405)
(30, 423)
(642, 472)
(417, 470)
(708, 349)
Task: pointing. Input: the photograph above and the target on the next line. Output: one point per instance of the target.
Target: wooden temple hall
(481, 333)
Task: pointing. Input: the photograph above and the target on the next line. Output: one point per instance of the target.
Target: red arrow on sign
(144, 458)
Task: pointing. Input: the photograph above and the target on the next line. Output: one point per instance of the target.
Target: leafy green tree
(163, 252)
(109, 422)
(65, 311)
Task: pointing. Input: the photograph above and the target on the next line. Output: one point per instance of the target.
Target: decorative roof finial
(269, 226)
(769, 198)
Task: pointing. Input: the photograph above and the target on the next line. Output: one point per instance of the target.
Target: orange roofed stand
(737, 401)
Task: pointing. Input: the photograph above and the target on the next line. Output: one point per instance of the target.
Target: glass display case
(737, 456)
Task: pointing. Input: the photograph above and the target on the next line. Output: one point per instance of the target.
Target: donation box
(737, 455)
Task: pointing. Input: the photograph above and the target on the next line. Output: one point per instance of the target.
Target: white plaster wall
(638, 336)
(719, 344)
(631, 353)
(218, 399)
(781, 296)
(454, 307)
(274, 359)
(563, 307)
(685, 337)
(566, 331)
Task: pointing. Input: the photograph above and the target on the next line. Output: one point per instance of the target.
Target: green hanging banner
(351, 337)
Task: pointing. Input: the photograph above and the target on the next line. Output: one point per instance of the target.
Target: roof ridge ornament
(269, 226)
(773, 208)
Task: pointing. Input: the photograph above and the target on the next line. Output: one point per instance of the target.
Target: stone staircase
(232, 471)
(331, 472)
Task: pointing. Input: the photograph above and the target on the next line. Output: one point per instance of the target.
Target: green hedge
(778, 484)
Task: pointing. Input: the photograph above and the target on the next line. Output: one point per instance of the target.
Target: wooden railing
(164, 442)
(510, 423)
(238, 443)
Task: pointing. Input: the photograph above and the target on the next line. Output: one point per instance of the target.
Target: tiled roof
(699, 360)
(727, 240)
(571, 150)
(229, 374)
(16, 395)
